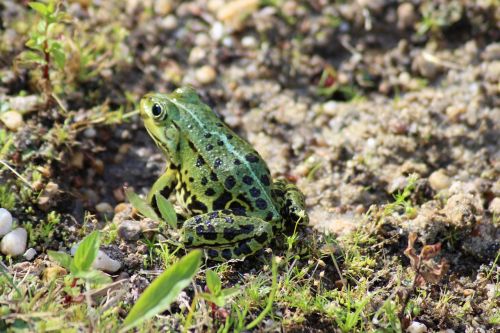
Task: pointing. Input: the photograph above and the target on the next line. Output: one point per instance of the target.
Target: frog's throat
(157, 135)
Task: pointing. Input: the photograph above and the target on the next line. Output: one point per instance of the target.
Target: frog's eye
(156, 110)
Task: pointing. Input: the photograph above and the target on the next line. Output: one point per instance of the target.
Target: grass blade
(163, 290)
(167, 210)
(141, 205)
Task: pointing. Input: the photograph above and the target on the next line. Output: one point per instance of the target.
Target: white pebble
(14, 243)
(416, 327)
(104, 263)
(29, 254)
(217, 31)
(330, 107)
(5, 221)
(249, 42)
(12, 120)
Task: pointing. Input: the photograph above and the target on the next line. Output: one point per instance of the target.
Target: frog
(233, 208)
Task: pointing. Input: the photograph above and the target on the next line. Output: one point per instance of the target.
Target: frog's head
(159, 111)
(156, 111)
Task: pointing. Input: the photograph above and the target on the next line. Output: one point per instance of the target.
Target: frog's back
(222, 169)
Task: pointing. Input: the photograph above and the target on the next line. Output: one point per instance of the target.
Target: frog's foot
(291, 202)
(226, 236)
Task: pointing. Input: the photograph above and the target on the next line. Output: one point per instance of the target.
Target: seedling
(80, 266)
(215, 295)
(46, 52)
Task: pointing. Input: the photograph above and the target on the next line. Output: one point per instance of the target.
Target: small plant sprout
(80, 266)
(215, 295)
(46, 51)
(402, 198)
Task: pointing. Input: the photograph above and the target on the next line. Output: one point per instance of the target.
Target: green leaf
(167, 210)
(94, 276)
(30, 56)
(217, 300)
(213, 282)
(51, 7)
(33, 44)
(141, 205)
(39, 7)
(62, 258)
(86, 253)
(41, 26)
(163, 290)
(59, 57)
(230, 292)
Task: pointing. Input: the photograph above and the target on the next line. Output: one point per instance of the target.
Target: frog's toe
(293, 206)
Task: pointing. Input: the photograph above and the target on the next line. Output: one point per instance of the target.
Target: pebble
(490, 53)
(5, 221)
(77, 160)
(196, 55)
(12, 120)
(169, 22)
(24, 103)
(330, 108)
(460, 210)
(129, 230)
(149, 227)
(90, 133)
(217, 31)
(454, 111)
(438, 180)
(163, 7)
(104, 208)
(416, 327)
(205, 74)
(494, 206)
(490, 290)
(234, 11)
(249, 42)
(29, 254)
(14, 243)
(425, 67)
(406, 16)
(104, 263)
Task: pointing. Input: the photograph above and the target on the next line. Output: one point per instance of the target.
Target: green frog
(232, 206)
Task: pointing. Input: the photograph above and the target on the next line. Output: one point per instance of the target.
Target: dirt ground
(386, 114)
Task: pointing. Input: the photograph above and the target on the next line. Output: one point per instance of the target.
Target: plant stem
(272, 294)
(187, 322)
(406, 298)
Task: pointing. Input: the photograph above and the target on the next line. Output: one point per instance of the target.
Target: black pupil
(156, 110)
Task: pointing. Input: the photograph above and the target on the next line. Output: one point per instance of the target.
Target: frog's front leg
(163, 185)
(225, 235)
(166, 183)
(290, 201)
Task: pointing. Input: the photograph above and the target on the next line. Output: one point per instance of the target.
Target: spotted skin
(233, 207)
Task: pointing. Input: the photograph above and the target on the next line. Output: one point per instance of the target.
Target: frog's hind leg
(226, 236)
(291, 202)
